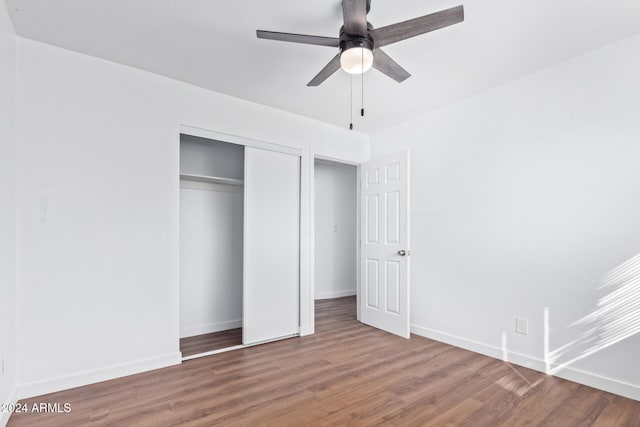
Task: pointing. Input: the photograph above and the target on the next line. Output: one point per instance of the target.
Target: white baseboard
(39, 388)
(12, 400)
(335, 294)
(610, 385)
(210, 328)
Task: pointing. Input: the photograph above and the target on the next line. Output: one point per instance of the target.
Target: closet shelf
(211, 179)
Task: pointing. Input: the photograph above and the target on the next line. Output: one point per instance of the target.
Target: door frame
(312, 239)
(306, 301)
(311, 167)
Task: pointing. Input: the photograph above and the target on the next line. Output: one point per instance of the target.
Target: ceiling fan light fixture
(358, 39)
(356, 60)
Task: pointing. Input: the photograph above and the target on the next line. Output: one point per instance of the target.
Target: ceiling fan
(359, 42)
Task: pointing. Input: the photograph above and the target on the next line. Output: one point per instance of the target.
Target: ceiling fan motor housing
(348, 41)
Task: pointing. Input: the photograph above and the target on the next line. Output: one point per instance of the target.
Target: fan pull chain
(362, 86)
(351, 102)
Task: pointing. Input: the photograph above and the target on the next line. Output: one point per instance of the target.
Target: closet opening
(211, 245)
(240, 242)
(335, 240)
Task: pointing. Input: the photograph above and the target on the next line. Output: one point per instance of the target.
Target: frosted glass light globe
(356, 60)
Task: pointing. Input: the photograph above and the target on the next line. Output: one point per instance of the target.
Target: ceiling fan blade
(414, 27)
(383, 63)
(299, 38)
(355, 16)
(326, 72)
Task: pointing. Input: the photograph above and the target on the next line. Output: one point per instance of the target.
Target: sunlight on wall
(615, 318)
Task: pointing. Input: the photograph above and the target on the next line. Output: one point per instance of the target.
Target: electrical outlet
(522, 326)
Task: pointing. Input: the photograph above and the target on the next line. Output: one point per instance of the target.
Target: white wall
(98, 206)
(335, 230)
(7, 208)
(522, 198)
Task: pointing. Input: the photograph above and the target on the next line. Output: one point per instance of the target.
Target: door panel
(393, 287)
(372, 283)
(271, 245)
(373, 224)
(385, 231)
(392, 218)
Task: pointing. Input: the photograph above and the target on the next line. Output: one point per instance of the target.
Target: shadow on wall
(615, 318)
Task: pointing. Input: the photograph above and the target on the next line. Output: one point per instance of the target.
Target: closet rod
(211, 179)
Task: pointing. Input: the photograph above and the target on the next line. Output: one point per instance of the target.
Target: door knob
(402, 252)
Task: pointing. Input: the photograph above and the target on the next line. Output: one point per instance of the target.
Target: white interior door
(271, 245)
(384, 244)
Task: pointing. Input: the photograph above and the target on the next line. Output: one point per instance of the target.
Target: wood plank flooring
(345, 374)
(209, 342)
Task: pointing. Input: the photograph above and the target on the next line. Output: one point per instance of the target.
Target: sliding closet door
(271, 245)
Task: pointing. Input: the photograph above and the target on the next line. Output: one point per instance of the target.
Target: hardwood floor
(209, 342)
(345, 374)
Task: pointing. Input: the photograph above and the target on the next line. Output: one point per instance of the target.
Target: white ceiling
(212, 44)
